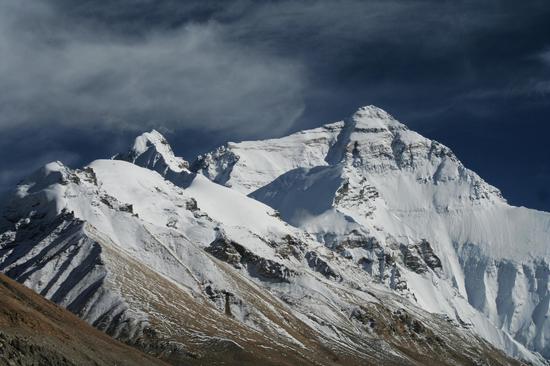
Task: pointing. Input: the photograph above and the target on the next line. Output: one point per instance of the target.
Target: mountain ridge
(374, 267)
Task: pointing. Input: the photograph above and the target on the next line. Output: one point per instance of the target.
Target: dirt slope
(35, 331)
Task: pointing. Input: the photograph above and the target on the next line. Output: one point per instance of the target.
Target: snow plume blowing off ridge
(341, 245)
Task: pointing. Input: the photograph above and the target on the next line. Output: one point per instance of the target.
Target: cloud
(245, 67)
(545, 57)
(542, 86)
(190, 77)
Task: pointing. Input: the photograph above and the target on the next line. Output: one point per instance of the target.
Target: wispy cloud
(191, 77)
(245, 67)
(542, 87)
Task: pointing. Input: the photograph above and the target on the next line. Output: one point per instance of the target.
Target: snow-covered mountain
(368, 187)
(359, 242)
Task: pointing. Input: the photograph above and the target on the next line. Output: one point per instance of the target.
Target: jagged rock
(396, 282)
(319, 265)
(126, 208)
(236, 255)
(224, 249)
(266, 268)
(419, 257)
(428, 255)
(412, 260)
(216, 165)
(290, 246)
(191, 205)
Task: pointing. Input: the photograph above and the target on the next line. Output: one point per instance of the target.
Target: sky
(81, 78)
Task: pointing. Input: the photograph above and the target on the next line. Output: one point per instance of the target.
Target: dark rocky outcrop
(238, 256)
(224, 249)
(419, 257)
(412, 260)
(319, 265)
(428, 255)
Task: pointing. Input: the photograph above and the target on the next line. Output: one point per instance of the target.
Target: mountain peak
(152, 150)
(152, 138)
(372, 118)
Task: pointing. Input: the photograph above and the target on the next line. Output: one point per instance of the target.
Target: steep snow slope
(248, 166)
(201, 274)
(406, 209)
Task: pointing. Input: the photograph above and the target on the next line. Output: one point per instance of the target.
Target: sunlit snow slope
(377, 193)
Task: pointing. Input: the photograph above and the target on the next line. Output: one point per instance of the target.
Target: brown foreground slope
(35, 331)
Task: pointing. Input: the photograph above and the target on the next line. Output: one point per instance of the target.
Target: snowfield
(358, 242)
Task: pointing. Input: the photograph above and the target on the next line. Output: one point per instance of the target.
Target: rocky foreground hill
(35, 331)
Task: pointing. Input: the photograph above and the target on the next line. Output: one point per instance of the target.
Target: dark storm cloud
(57, 72)
(143, 63)
(543, 86)
(211, 71)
